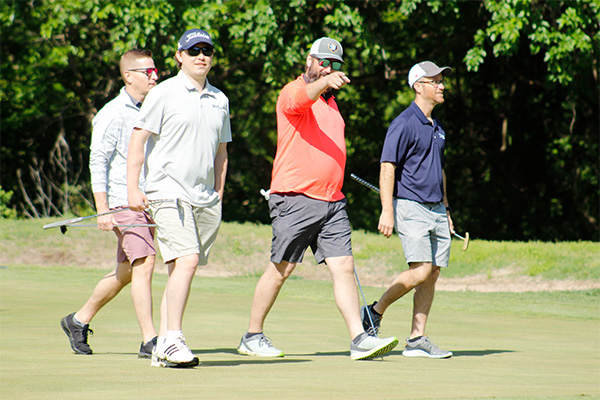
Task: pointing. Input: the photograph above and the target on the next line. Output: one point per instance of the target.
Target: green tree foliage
(521, 108)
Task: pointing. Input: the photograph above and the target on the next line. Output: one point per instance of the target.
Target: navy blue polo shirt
(416, 147)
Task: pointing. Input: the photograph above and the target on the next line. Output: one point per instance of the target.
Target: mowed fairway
(544, 345)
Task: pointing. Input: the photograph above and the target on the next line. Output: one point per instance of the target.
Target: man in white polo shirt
(185, 127)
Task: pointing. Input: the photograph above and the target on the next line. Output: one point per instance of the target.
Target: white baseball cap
(426, 69)
(327, 48)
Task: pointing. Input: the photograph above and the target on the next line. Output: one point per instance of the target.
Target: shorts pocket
(277, 206)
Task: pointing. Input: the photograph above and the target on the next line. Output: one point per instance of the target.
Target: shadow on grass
(243, 359)
(248, 360)
(462, 353)
(479, 353)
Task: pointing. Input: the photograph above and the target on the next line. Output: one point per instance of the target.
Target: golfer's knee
(123, 274)
(144, 266)
(435, 274)
(421, 273)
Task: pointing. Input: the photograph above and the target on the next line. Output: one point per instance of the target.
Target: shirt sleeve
(396, 143)
(105, 135)
(294, 98)
(151, 112)
(225, 135)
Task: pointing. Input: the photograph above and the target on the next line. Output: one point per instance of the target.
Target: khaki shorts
(424, 231)
(135, 242)
(183, 229)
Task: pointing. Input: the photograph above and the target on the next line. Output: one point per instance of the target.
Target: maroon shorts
(134, 242)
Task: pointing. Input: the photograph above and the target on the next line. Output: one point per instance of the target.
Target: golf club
(63, 228)
(365, 303)
(465, 240)
(265, 194)
(374, 188)
(72, 221)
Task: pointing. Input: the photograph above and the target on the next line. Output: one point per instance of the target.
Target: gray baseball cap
(426, 69)
(327, 48)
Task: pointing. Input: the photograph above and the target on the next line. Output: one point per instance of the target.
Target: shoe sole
(187, 364)
(144, 355)
(377, 352)
(65, 328)
(159, 364)
(417, 353)
(248, 352)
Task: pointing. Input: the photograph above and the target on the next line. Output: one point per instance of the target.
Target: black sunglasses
(194, 51)
(147, 71)
(335, 65)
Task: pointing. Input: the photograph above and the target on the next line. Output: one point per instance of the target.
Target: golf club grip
(365, 183)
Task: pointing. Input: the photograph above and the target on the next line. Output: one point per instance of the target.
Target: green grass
(242, 249)
(506, 346)
(535, 345)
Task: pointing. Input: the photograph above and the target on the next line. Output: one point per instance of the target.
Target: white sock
(172, 335)
(160, 343)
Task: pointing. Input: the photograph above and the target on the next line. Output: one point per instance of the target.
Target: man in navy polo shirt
(413, 198)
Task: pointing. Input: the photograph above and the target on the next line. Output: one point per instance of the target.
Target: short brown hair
(130, 57)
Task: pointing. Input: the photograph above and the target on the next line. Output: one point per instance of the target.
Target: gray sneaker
(258, 345)
(146, 348)
(78, 335)
(371, 347)
(424, 348)
(371, 329)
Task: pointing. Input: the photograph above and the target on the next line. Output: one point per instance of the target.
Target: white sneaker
(178, 355)
(258, 345)
(371, 347)
(158, 359)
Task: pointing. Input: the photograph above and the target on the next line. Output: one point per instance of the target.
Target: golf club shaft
(116, 225)
(376, 189)
(365, 302)
(365, 183)
(79, 219)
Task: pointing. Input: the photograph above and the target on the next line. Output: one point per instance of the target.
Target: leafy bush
(5, 210)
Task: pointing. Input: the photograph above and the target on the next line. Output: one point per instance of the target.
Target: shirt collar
(134, 102)
(208, 88)
(419, 113)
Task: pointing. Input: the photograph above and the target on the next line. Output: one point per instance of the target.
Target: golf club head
(466, 242)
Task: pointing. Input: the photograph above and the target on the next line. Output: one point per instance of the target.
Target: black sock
(415, 339)
(249, 335)
(372, 309)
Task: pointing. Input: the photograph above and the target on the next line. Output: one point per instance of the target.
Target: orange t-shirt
(311, 148)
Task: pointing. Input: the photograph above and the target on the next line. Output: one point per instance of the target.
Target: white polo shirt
(187, 127)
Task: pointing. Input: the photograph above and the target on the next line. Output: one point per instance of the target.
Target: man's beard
(312, 74)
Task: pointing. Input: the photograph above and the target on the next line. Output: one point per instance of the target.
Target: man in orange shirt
(306, 203)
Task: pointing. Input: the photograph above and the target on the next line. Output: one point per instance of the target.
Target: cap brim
(328, 56)
(195, 43)
(445, 71)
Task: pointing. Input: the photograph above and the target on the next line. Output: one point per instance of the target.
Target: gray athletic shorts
(424, 231)
(183, 229)
(300, 221)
